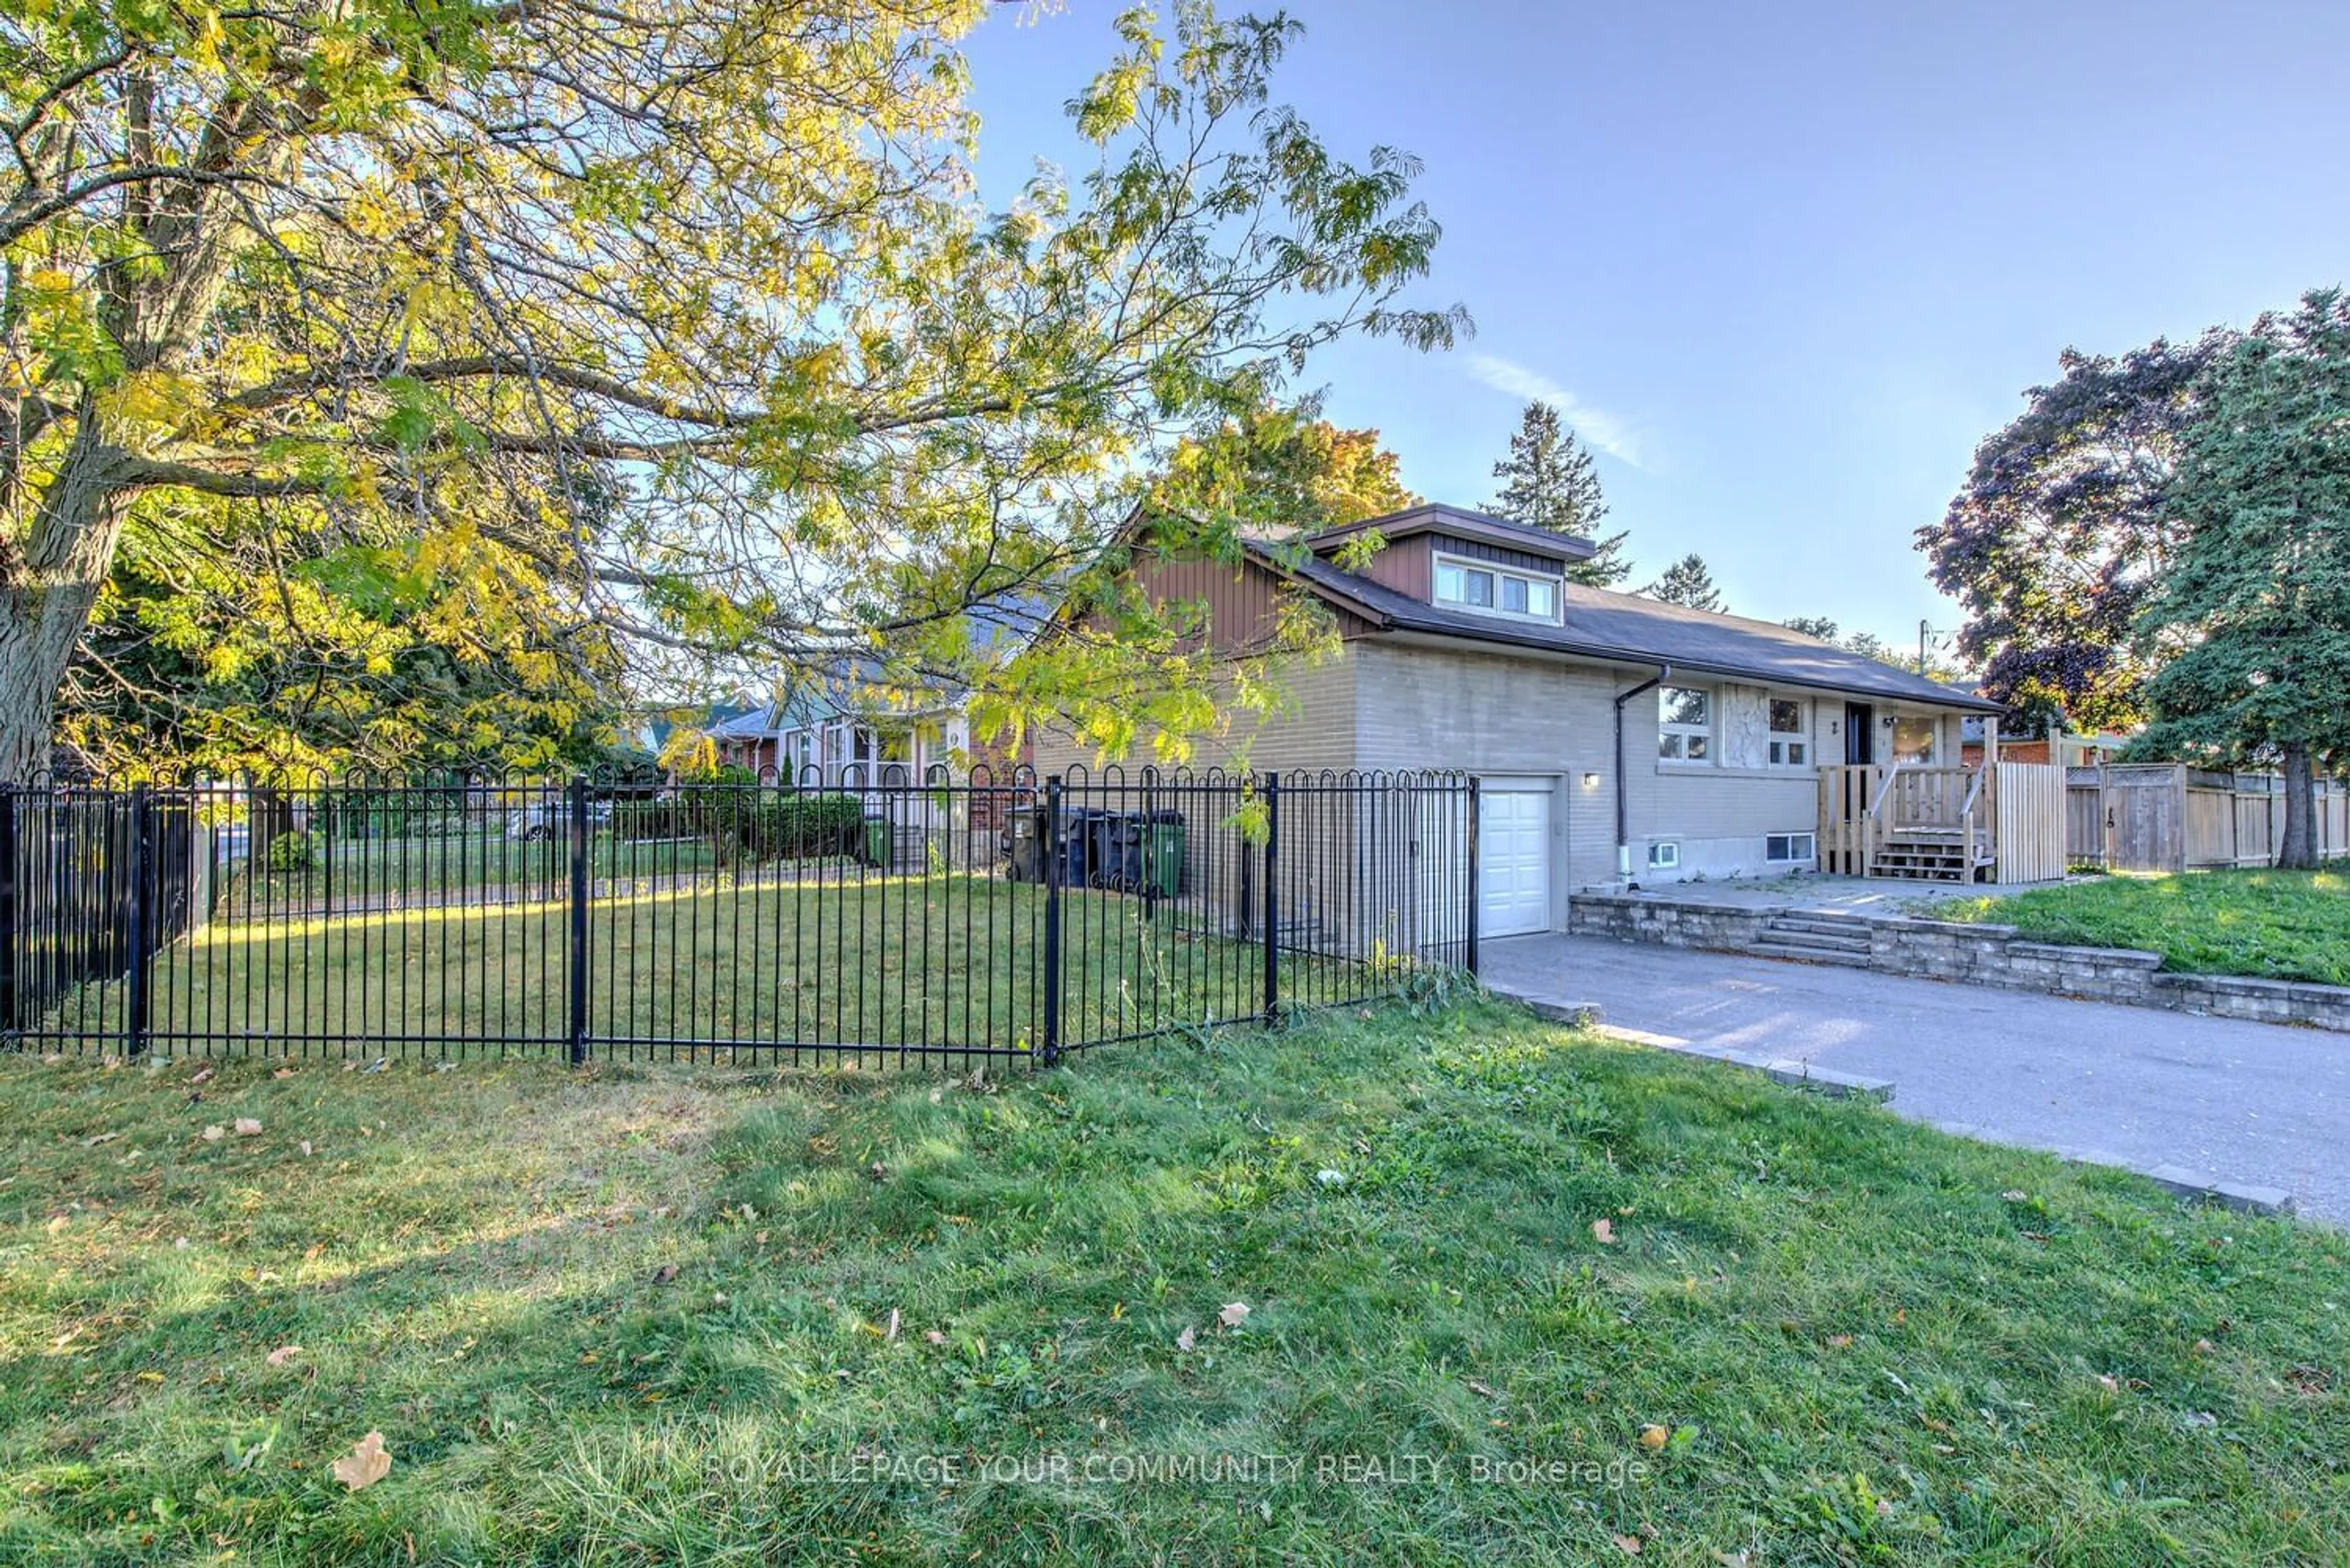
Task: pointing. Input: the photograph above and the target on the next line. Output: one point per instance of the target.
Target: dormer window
(1495, 590)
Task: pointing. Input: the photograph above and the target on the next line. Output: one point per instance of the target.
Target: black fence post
(135, 1021)
(1272, 899)
(8, 930)
(578, 1031)
(1472, 879)
(1051, 1042)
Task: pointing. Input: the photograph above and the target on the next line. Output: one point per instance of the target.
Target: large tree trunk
(45, 597)
(2298, 850)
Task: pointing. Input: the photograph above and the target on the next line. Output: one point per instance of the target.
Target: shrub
(292, 851)
(796, 827)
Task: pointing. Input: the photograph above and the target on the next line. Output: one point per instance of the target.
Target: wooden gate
(2030, 822)
(2085, 816)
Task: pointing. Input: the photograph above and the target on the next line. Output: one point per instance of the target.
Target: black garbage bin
(1117, 865)
(1084, 830)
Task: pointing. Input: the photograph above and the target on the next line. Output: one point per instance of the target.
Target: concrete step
(1787, 953)
(1825, 941)
(1825, 925)
(1815, 945)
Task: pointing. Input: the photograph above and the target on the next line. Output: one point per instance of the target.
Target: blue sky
(1786, 265)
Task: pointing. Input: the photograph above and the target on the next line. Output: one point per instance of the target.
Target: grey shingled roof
(1630, 630)
(1435, 517)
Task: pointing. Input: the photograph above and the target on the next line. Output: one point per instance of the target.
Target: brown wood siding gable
(1478, 550)
(1243, 601)
(1406, 566)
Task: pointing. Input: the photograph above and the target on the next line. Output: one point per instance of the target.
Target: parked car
(546, 820)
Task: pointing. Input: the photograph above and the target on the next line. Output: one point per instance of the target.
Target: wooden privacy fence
(2168, 817)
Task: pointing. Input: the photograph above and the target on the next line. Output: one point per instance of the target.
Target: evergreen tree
(2253, 622)
(1817, 626)
(1688, 582)
(1550, 481)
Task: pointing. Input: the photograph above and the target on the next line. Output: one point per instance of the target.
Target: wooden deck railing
(1867, 810)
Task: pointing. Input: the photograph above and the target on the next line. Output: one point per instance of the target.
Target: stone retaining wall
(1977, 955)
(1672, 923)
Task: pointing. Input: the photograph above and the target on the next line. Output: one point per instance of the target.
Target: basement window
(1664, 856)
(1790, 848)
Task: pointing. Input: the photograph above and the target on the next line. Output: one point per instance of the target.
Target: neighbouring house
(1617, 739)
(2064, 748)
(841, 731)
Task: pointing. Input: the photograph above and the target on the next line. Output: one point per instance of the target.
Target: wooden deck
(1998, 823)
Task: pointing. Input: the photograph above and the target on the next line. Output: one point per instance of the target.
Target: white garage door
(1513, 860)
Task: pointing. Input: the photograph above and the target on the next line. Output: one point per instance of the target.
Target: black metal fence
(864, 915)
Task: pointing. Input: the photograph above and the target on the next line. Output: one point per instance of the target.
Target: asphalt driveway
(2255, 1103)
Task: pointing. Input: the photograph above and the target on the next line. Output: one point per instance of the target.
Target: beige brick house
(1465, 647)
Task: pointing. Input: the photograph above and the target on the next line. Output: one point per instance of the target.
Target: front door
(1859, 734)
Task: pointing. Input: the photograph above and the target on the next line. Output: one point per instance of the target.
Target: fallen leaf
(2013, 1195)
(283, 1354)
(934, 1336)
(1233, 1314)
(878, 1171)
(247, 1126)
(1185, 1340)
(2202, 1419)
(665, 1273)
(282, 1073)
(1654, 1436)
(892, 1333)
(1477, 1387)
(1839, 1342)
(1604, 1232)
(365, 1465)
(306, 1145)
(1629, 1545)
(203, 1075)
(2202, 1347)
(215, 1133)
(2111, 1384)
(59, 1223)
(101, 1138)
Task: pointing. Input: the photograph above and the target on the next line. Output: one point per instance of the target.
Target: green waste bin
(1162, 853)
(876, 841)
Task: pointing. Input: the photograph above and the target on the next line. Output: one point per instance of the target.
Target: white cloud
(1599, 429)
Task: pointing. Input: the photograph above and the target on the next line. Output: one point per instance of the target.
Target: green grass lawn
(2284, 925)
(944, 960)
(671, 1315)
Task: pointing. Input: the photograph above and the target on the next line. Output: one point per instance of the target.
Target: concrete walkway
(2253, 1103)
